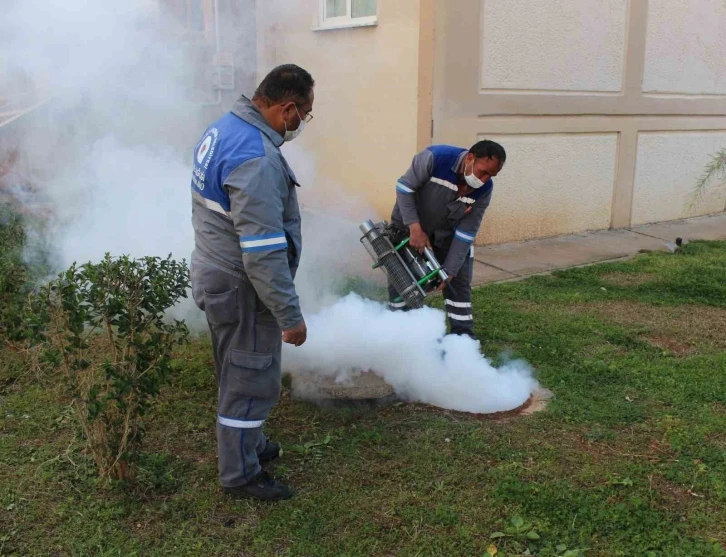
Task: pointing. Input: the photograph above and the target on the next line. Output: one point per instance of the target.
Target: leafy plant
(107, 332)
(521, 538)
(14, 275)
(715, 170)
(313, 449)
(518, 529)
(627, 482)
(562, 551)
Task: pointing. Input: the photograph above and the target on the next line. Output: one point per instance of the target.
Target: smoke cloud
(107, 162)
(412, 352)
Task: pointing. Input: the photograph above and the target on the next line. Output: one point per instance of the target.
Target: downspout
(218, 47)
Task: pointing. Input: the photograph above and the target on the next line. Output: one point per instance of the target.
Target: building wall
(609, 109)
(366, 114)
(210, 42)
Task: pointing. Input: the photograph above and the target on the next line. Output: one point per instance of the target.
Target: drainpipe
(218, 47)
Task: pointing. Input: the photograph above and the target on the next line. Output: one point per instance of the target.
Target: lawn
(629, 458)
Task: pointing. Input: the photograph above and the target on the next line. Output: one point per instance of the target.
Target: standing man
(247, 249)
(440, 203)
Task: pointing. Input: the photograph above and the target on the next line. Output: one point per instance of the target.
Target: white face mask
(292, 134)
(471, 179)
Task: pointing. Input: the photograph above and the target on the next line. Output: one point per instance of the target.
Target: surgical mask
(471, 179)
(292, 134)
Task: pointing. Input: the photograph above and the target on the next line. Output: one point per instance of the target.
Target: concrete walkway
(514, 261)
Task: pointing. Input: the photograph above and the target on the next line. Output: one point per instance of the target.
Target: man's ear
(288, 107)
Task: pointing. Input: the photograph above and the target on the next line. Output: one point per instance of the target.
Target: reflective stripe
(468, 200)
(240, 424)
(397, 304)
(445, 183)
(458, 304)
(211, 205)
(263, 243)
(460, 317)
(403, 188)
(471, 251)
(463, 236)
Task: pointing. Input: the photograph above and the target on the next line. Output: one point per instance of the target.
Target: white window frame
(344, 21)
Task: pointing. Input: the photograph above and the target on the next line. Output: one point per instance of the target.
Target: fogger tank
(412, 274)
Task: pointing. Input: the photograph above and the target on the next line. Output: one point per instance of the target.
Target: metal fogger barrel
(411, 274)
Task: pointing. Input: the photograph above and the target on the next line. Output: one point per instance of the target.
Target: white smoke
(128, 91)
(128, 199)
(110, 160)
(411, 351)
(332, 250)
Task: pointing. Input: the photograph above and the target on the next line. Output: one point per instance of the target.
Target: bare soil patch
(627, 279)
(681, 330)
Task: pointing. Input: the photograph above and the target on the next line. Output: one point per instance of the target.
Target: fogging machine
(412, 274)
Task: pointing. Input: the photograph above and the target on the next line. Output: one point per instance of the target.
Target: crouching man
(440, 203)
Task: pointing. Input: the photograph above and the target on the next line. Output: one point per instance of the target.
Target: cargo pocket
(221, 309)
(250, 375)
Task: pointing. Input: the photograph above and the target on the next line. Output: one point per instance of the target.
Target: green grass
(629, 459)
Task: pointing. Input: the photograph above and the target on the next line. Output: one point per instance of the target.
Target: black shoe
(263, 487)
(271, 452)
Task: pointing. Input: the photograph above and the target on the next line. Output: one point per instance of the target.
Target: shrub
(107, 332)
(14, 275)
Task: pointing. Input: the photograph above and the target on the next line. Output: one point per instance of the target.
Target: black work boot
(263, 487)
(271, 452)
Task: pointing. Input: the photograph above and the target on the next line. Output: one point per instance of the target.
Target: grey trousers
(457, 300)
(247, 344)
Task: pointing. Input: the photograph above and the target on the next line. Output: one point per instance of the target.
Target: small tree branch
(716, 168)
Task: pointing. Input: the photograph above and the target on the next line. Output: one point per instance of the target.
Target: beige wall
(686, 47)
(551, 207)
(609, 109)
(368, 93)
(529, 46)
(656, 187)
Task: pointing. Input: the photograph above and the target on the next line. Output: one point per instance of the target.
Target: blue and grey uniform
(247, 249)
(428, 194)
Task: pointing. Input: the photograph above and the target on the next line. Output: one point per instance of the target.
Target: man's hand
(418, 238)
(297, 335)
(445, 284)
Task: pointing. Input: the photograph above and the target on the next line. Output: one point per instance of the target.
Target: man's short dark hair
(489, 149)
(286, 83)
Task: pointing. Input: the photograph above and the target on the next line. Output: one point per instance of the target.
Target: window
(335, 14)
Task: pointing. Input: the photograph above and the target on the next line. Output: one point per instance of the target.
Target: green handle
(421, 282)
(399, 246)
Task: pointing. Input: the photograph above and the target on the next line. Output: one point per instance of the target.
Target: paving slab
(712, 227)
(485, 273)
(366, 387)
(548, 254)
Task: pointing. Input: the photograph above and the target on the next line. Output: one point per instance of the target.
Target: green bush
(22, 268)
(107, 332)
(14, 275)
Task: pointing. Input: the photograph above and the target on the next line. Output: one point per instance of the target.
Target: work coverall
(428, 194)
(247, 249)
